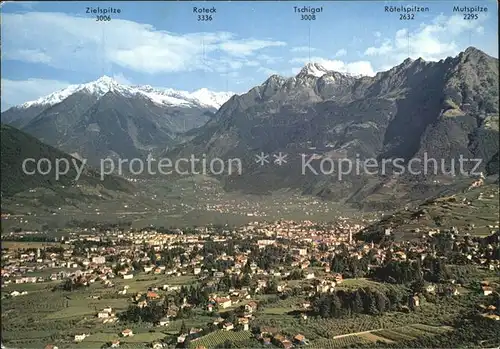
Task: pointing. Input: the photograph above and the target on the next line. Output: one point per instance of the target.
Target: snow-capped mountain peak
(53, 98)
(210, 98)
(314, 69)
(107, 84)
(106, 80)
(99, 88)
(167, 97)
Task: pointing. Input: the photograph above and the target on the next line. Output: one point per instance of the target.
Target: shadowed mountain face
(111, 125)
(16, 146)
(441, 110)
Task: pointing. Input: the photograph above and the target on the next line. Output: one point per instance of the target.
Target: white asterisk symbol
(262, 159)
(280, 159)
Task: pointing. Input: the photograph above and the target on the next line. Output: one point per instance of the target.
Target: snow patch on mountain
(314, 69)
(53, 98)
(165, 97)
(207, 97)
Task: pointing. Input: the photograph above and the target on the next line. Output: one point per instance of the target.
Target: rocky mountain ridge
(442, 110)
(106, 119)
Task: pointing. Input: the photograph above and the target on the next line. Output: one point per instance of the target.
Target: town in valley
(261, 284)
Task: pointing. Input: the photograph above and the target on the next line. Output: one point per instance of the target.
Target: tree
(246, 268)
(394, 298)
(297, 274)
(418, 286)
(246, 279)
(354, 265)
(166, 304)
(357, 303)
(338, 264)
(440, 272)
(324, 307)
(336, 305)
(272, 287)
(371, 303)
(381, 302)
(183, 329)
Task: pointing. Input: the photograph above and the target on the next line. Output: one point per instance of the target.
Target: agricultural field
(431, 329)
(338, 342)
(276, 310)
(411, 332)
(44, 316)
(373, 338)
(143, 281)
(219, 337)
(143, 338)
(198, 320)
(393, 335)
(387, 336)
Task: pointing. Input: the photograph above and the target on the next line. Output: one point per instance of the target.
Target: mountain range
(104, 118)
(417, 109)
(442, 110)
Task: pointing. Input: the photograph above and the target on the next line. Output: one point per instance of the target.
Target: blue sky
(46, 46)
